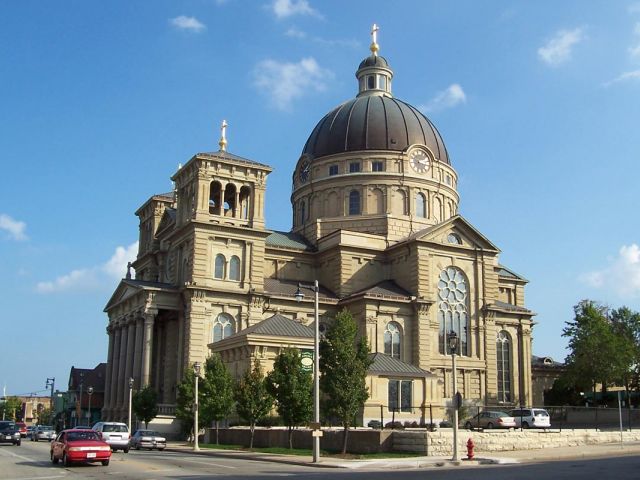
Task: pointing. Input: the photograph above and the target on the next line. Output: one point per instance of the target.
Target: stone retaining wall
(439, 443)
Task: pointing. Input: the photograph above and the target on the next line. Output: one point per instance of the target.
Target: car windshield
(4, 425)
(502, 414)
(88, 435)
(149, 433)
(46, 428)
(114, 428)
(541, 413)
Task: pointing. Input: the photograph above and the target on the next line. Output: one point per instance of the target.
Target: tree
(10, 408)
(145, 404)
(45, 416)
(253, 400)
(216, 392)
(344, 361)
(185, 399)
(626, 329)
(593, 356)
(291, 388)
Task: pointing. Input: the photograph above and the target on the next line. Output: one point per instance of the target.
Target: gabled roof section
(508, 307)
(456, 224)
(289, 287)
(89, 377)
(385, 289)
(277, 326)
(288, 240)
(388, 366)
(129, 287)
(504, 272)
(224, 155)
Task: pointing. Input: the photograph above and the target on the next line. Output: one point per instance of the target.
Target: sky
(538, 103)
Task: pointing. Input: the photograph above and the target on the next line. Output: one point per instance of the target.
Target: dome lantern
(374, 74)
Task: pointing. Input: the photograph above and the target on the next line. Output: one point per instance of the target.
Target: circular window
(453, 238)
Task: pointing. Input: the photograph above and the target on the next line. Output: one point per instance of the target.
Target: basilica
(375, 222)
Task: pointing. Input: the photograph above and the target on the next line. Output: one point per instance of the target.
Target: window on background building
(421, 205)
(392, 342)
(503, 355)
(234, 268)
(399, 395)
(220, 266)
(354, 202)
(453, 309)
(354, 167)
(377, 166)
(333, 169)
(223, 327)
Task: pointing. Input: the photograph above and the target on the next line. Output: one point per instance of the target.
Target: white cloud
(634, 8)
(187, 23)
(14, 228)
(452, 96)
(295, 33)
(625, 77)
(622, 276)
(288, 8)
(285, 82)
(558, 49)
(94, 277)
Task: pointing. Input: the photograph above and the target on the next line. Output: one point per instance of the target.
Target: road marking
(23, 458)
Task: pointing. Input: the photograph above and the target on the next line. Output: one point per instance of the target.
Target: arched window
(223, 327)
(220, 267)
(392, 342)
(302, 211)
(215, 198)
(453, 308)
(421, 205)
(234, 268)
(354, 202)
(503, 356)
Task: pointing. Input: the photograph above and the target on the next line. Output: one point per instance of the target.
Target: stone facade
(375, 221)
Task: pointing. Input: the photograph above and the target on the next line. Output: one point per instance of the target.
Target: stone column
(421, 335)
(122, 362)
(147, 346)
(180, 357)
(107, 382)
(137, 352)
(131, 338)
(113, 386)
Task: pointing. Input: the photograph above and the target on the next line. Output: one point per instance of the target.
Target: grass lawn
(308, 452)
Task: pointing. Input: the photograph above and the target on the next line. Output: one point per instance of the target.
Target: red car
(80, 446)
(23, 429)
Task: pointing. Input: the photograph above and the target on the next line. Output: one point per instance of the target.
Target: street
(31, 462)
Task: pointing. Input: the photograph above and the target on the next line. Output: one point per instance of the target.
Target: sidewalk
(481, 458)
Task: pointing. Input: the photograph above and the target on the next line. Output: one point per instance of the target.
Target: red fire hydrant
(470, 446)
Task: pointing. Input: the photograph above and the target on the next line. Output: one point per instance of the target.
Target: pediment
(457, 231)
(123, 291)
(167, 220)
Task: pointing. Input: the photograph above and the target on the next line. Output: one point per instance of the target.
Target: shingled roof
(278, 326)
(386, 365)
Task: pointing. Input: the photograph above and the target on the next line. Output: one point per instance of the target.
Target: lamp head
(196, 368)
(131, 383)
(299, 295)
(90, 390)
(453, 342)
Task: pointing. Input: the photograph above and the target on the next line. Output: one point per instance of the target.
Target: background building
(375, 220)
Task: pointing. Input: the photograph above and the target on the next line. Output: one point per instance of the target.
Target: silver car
(43, 432)
(147, 439)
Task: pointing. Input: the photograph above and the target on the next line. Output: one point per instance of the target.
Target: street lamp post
(196, 428)
(453, 347)
(89, 392)
(79, 409)
(316, 367)
(130, 399)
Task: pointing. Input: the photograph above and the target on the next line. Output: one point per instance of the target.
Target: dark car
(147, 439)
(10, 433)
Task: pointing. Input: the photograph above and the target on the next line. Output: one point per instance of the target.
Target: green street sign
(307, 360)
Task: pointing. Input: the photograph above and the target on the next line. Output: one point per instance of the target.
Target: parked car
(80, 446)
(490, 419)
(147, 439)
(10, 433)
(23, 429)
(115, 434)
(43, 432)
(531, 417)
(30, 429)
(82, 427)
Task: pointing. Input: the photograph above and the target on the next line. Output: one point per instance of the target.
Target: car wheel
(468, 426)
(105, 463)
(489, 425)
(35, 439)
(160, 449)
(525, 425)
(137, 446)
(126, 450)
(18, 442)
(54, 460)
(65, 460)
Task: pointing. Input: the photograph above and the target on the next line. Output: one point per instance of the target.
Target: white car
(43, 432)
(116, 434)
(531, 417)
